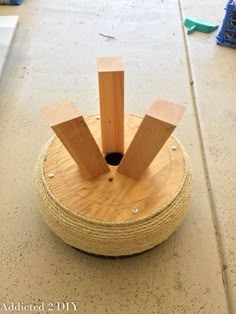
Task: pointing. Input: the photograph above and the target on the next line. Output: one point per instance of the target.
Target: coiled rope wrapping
(112, 238)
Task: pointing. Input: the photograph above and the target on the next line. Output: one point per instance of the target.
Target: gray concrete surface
(53, 57)
(213, 71)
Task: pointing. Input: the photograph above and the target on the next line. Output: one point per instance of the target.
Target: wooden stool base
(112, 214)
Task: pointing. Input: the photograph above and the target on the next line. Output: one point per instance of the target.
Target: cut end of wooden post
(110, 64)
(166, 111)
(60, 112)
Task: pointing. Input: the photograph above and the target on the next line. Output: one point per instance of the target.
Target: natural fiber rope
(112, 238)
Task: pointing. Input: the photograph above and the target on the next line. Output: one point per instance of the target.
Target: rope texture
(112, 238)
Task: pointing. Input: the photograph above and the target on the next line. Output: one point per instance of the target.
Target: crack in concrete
(205, 165)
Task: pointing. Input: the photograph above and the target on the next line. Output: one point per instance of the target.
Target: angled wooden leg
(71, 128)
(156, 127)
(111, 92)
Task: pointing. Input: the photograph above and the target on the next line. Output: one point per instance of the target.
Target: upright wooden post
(111, 92)
(156, 127)
(71, 128)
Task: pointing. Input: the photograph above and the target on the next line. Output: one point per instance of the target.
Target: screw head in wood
(134, 210)
(51, 175)
(173, 147)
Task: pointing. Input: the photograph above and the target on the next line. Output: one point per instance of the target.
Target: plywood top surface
(112, 196)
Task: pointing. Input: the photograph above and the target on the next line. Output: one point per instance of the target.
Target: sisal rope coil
(112, 238)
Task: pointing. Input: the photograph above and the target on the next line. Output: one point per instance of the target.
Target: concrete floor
(53, 57)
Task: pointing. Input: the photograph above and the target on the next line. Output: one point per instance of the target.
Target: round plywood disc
(113, 196)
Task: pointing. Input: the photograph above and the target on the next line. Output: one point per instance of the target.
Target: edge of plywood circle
(113, 202)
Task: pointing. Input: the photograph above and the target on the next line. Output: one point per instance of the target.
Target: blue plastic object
(13, 2)
(227, 34)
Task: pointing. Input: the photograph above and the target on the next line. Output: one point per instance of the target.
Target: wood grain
(111, 94)
(156, 127)
(113, 200)
(71, 128)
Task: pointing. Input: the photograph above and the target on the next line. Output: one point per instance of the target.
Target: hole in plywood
(113, 159)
